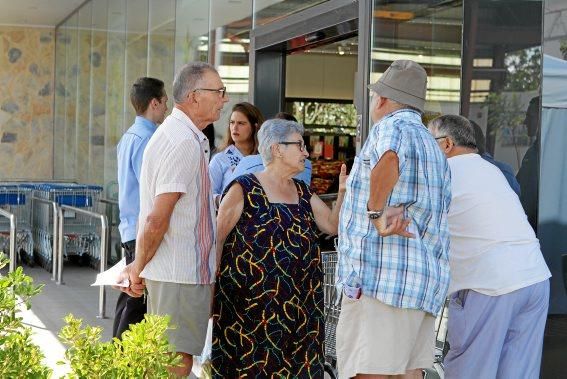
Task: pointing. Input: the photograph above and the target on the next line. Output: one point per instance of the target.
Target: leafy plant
(143, 352)
(19, 356)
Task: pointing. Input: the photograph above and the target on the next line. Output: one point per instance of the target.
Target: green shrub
(19, 356)
(143, 352)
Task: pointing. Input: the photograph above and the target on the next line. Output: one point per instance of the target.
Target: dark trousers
(129, 310)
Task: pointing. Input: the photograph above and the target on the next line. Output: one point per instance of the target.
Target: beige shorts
(375, 338)
(188, 305)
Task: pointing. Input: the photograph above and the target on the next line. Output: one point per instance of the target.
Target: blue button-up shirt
(399, 271)
(130, 153)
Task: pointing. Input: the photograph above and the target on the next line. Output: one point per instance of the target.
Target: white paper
(110, 276)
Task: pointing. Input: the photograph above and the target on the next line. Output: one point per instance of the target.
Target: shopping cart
(441, 345)
(80, 237)
(332, 310)
(16, 199)
(332, 301)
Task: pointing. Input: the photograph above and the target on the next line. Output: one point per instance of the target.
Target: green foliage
(333, 114)
(524, 70)
(19, 357)
(563, 48)
(143, 352)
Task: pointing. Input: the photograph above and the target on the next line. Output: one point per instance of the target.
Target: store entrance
(320, 92)
(308, 65)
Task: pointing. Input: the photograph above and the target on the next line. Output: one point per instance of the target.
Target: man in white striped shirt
(176, 238)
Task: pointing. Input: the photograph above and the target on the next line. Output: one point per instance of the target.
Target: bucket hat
(404, 81)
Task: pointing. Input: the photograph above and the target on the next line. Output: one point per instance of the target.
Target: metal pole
(54, 255)
(103, 250)
(54, 251)
(12, 218)
(60, 246)
(103, 259)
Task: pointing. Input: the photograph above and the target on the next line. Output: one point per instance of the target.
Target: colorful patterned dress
(268, 305)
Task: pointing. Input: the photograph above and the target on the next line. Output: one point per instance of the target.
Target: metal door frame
(269, 47)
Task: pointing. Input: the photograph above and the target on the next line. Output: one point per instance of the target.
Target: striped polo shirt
(176, 160)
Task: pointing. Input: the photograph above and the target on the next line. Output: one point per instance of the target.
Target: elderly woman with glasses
(268, 303)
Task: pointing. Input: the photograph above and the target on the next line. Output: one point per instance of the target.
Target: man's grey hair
(274, 131)
(458, 128)
(188, 79)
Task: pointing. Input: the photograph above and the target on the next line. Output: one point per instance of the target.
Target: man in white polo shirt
(499, 280)
(175, 246)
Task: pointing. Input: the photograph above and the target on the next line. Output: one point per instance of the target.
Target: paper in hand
(110, 276)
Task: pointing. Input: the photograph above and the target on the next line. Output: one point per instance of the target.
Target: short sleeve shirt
(176, 160)
(399, 271)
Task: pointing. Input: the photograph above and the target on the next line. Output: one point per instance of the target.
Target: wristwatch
(374, 215)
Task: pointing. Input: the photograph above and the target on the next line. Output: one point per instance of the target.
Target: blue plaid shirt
(399, 271)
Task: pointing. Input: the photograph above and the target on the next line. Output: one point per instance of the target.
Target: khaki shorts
(188, 305)
(375, 338)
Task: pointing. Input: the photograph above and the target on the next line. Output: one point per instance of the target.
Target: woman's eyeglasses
(299, 144)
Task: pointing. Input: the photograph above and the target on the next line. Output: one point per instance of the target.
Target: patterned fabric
(221, 167)
(402, 272)
(176, 160)
(253, 163)
(268, 308)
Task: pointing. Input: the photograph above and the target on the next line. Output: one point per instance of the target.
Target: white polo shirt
(176, 160)
(493, 249)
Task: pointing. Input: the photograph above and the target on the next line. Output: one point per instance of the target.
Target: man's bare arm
(383, 179)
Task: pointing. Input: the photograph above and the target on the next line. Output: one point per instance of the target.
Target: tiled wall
(26, 100)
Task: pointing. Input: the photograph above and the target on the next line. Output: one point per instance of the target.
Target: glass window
(191, 31)
(115, 99)
(427, 34)
(61, 93)
(229, 53)
(501, 82)
(552, 227)
(266, 11)
(71, 77)
(83, 93)
(136, 51)
(162, 43)
(97, 61)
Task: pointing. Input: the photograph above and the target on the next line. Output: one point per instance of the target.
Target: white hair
(188, 79)
(272, 132)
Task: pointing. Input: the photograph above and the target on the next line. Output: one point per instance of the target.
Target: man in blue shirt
(393, 247)
(149, 99)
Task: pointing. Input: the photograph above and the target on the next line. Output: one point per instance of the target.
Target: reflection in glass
(115, 102)
(553, 176)
(191, 31)
(427, 34)
(71, 76)
(136, 51)
(60, 94)
(97, 60)
(229, 52)
(83, 93)
(162, 43)
(501, 83)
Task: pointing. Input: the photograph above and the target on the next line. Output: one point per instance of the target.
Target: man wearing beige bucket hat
(393, 239)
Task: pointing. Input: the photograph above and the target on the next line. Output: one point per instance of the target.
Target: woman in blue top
(239, 142)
